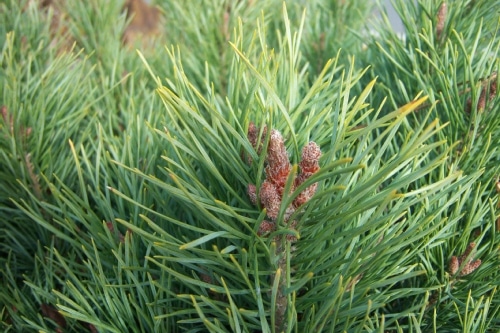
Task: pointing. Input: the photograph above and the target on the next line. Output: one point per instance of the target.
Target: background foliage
(123, 197)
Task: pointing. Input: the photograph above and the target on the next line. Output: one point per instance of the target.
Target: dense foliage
(168, 190)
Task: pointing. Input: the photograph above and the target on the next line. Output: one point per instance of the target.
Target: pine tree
(256, 166)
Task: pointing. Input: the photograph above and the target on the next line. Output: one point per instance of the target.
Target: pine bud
(252, 135)
(468, 251)
(309, 165)
(305, 195)
(481, 103)
(253, 132)
(277, 172)
(278, 167)
(488, 89)
(467, 268)
(288, 212)
(265, 228)
(490, 92)
(454, 265)
(441, 18)
(270, 198)
(470, 267)
(310, 158)
(252, 193)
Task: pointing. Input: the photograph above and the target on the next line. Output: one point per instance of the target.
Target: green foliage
(125, 209)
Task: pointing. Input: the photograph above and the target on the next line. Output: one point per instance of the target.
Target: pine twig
(271, 194)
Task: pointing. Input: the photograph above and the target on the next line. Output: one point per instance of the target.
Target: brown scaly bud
(253, 137)
(481, 103)
(493, 86)
(253, 132)
(310, 158)
(278, 167)
(454, 265)
(468, 251)
(467, 268)
(278, 170)
(305, 195)
(265, 228)
(309, 165)
(252, 193)
(489, 91)
(468, 105)
(270, 198)
(441, 18)
(470, 267)
(288, 212)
